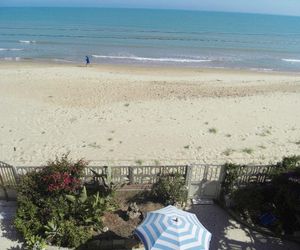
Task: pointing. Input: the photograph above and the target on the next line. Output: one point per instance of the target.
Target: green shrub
(280, 197)
(170, 189)
(230, 178)
(69, 234)
(287, 200)
(287, 164)
(249, 200)
(27, 218)
(29, 186)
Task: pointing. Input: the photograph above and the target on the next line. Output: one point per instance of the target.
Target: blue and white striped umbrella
(172, 229)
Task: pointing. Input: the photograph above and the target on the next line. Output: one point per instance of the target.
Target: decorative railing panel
(89, 172)
(7, 175)
(254, 174)
(22, 170)
(151, 174)
(202, 180)
(120, 174)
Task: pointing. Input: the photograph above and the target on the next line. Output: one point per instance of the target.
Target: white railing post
(188, 179)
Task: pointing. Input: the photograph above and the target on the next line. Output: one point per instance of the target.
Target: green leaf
(83, 196)
(71, 198)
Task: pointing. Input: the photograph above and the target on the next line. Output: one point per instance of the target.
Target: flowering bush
(53, 205)
(61, 182)
(62, 176)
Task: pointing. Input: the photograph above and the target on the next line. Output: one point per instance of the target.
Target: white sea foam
(11, 58)
(62, 60)
(26, 41)
(261, 69)
(7, 49)
(135, 58)
(291, 60)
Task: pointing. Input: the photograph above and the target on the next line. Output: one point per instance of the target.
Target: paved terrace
(227, 233)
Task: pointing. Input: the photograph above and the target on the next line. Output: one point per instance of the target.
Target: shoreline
(104, 113)
(163, 67)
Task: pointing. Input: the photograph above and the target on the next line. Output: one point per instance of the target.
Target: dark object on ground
(267, 219)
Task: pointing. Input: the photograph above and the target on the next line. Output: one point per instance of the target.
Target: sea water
(151, 37)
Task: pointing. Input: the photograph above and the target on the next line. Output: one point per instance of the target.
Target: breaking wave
(152, 59)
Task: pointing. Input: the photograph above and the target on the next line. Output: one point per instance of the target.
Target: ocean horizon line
(151, 9)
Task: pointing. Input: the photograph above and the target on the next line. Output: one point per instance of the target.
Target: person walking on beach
(87, 60)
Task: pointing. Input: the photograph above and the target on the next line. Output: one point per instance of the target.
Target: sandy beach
(113, 114)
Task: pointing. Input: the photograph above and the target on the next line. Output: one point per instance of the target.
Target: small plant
(156, 162)
(248, 151)
(109, 139)
(262, 146)
(297, 142)
(104, 185)
(139, 162)
(232, 172)
(73, 235)
(228, 135)
(187, 146)
(228, 152)
(35, 243)
(52, 231)
(212, 130)
(88, 209)
(126, 104)
(265, 132)
(94, 145)
(170, 189)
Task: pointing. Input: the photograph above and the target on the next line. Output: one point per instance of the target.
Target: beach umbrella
(172, 229)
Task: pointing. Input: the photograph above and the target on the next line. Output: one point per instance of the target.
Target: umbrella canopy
(173, 229)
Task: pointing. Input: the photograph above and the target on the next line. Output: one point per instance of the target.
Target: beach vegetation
(265, 132)
(170, 189)
(156, 162)
(213, 130)
(228, 152)
(187, 146)
(228, 135)
(248, 151)
(55, 207)
(94, 145)
(139, 162)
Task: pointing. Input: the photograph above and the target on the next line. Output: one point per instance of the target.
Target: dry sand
(117, 114)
